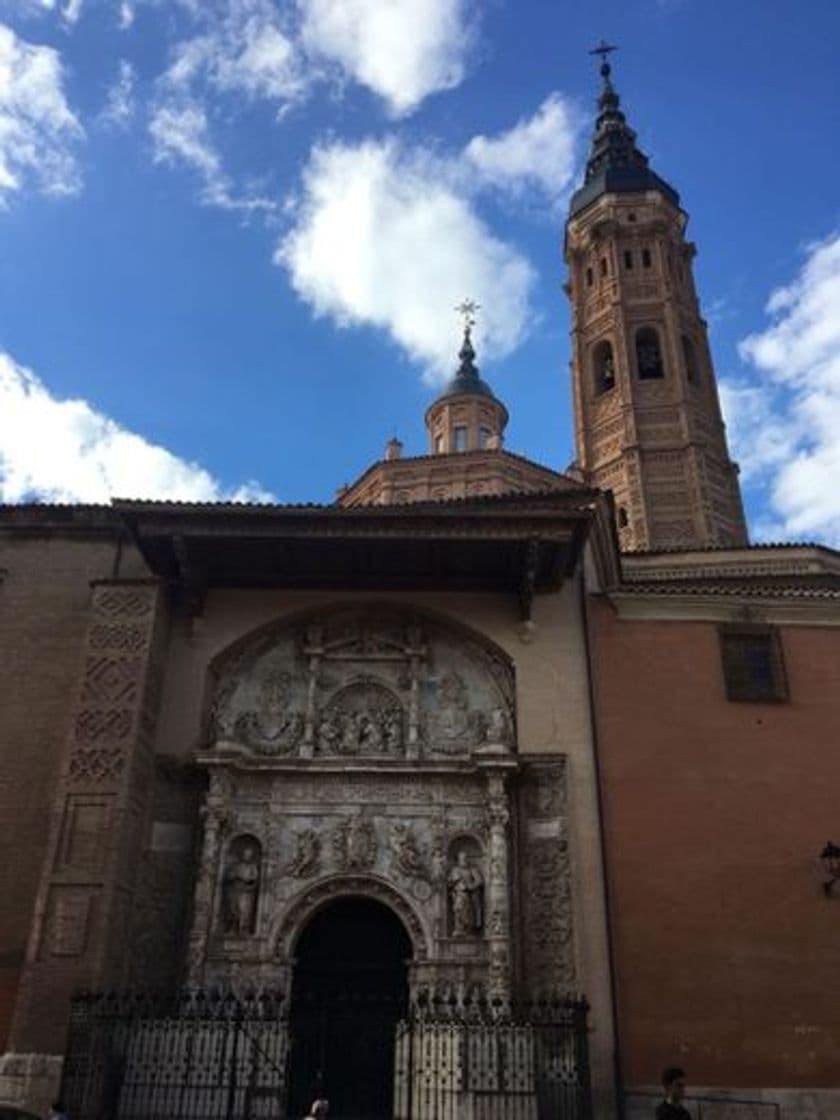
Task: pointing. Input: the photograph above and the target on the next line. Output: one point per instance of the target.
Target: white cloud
(72, 11)
(38, 130)
(403, 50)
(785, 421)
(383, 239)
(65, 451)
(180, 135)
(126, 15)
(119, 102)
(244, 49)
(537, 152)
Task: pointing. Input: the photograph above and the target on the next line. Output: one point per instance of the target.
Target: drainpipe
(617, 1073)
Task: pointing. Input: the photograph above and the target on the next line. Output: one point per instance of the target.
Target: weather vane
(467, 309)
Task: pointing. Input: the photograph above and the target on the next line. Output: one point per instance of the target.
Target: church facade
(522, 733)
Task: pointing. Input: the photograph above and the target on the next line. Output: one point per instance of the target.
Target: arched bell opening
(349, 990)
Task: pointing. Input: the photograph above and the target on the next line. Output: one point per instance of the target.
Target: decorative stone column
(214, 814)
(497, 925)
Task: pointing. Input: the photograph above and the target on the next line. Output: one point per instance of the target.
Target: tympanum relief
(363, 685)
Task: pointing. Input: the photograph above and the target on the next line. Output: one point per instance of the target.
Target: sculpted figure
(466, 902)
(498, 727)
(329, 734)
(370, 735)
(240, 891)
(392, 729)
(350, 733)
(306, 859)
(407, 855)
(452, 716)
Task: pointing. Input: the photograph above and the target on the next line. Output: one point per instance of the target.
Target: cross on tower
(467, 309)
(604, 49)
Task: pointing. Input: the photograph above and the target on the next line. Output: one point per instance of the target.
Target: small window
(631, 217)
(603, 368)
(648, 355)
(752, 664)
(590, 279)
(646, 259)
(604, 266)
(628, 260)
(438, 445)
(623, 520)
(460, 435)
(484, 437)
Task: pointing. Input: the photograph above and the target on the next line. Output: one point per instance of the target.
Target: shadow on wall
(641, 1105)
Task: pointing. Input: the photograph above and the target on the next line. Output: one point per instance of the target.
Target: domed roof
(466, 380)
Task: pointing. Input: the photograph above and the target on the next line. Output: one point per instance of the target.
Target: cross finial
(604, 50)
(467, 309)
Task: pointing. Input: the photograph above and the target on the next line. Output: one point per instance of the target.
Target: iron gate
(203, 1055)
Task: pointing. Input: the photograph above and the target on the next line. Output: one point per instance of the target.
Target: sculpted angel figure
(407, 855)
(306, 859)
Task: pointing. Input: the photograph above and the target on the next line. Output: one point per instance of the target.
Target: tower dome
(467, 416)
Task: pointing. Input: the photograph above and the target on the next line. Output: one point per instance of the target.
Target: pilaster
(86, 892)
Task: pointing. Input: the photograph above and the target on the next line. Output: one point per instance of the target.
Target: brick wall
(43, 614)
(727, 953)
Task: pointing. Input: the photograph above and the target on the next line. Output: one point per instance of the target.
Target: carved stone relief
(355, 844)
(363, 684)
(546, 895)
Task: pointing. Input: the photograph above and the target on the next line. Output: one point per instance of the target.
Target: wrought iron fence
(208, 1056)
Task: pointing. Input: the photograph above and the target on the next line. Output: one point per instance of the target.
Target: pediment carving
(364, 684)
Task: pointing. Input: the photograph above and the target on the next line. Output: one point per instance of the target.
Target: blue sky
(232, 232)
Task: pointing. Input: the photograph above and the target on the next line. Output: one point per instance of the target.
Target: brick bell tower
(648, 424)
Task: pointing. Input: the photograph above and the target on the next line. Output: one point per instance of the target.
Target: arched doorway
(349, 988)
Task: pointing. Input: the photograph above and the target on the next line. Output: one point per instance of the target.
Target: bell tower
(648, 425)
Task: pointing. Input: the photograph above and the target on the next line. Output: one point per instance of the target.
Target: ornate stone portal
(368, 753)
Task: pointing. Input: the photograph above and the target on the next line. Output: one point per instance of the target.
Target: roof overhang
(523, 545)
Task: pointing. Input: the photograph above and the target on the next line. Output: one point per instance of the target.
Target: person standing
(672, 1108)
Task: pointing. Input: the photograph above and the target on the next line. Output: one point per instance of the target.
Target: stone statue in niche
(363, 718)
(465, 889)
(272, 727)
(241, 887)
(307, 858)
(355, 844)
(407, 856)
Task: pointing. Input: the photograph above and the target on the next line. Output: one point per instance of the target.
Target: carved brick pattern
(114, 636)
(110, 681)
(95, 724)
(120, 602)
(97, 764)
(608, 429)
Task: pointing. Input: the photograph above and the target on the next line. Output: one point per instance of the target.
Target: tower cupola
(615, 162)
(466, 416)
